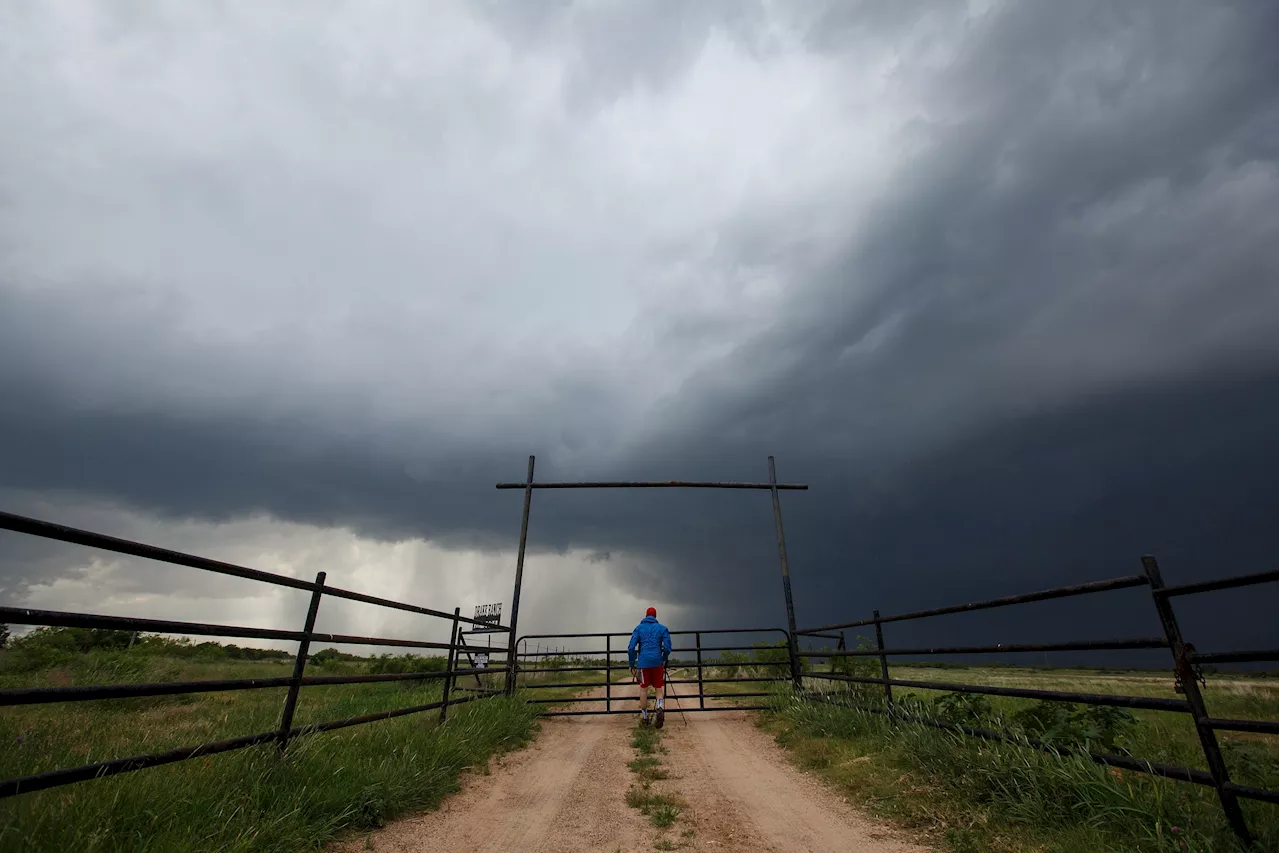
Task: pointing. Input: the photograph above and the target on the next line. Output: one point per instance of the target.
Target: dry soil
(567, 793)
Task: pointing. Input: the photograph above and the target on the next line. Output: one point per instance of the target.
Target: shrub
(729, 661)
(41, 649)
(49, 647)
(1076, 725)
(774, 659)
(861, 667)
(968, 709)
(325, 657)
(388, 663)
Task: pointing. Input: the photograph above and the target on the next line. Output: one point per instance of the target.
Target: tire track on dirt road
(746, 795)
(567, 794)
(563, 793)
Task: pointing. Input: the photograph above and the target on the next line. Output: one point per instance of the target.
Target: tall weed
(971, 791)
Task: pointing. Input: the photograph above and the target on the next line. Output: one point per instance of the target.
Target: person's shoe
(644, 720)
(658, 723)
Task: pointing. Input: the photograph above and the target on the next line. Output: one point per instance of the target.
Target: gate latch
(1186, 667)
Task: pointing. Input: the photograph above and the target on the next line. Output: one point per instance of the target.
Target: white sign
(482, 660)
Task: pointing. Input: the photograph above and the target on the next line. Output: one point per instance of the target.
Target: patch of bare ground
(567, 794)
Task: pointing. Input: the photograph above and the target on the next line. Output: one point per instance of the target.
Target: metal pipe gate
(706, 658)
(773, 487)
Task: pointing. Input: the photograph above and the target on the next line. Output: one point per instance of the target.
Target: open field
(1164, 736)
(246, 800)
(975, 795)
(952, 793)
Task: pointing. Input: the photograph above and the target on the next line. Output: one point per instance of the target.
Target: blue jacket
(650, 644)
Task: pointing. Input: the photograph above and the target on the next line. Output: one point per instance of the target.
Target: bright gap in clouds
(572, 592)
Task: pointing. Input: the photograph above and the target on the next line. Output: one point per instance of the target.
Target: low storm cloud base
(996, 279)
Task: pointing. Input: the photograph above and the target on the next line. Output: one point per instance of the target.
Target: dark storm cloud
(1045, 348)
(1027, 409)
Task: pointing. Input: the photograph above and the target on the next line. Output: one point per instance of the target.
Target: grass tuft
(646, 740)
(664, 815)
(661, 809)
(648, 768)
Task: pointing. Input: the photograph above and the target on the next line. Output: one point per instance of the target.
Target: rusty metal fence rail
(1187, 678)
(295, 682)
(624, 692)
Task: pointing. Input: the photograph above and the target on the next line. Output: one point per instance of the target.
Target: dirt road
(567, 794)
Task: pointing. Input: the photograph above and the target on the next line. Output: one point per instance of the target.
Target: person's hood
(649, 619)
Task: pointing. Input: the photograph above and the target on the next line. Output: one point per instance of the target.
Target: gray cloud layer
(999, 282)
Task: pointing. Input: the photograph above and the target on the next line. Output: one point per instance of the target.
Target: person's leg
(642, 696)
(659, 685)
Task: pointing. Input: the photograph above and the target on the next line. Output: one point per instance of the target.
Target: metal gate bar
(1187, 677)
(285, 730)
(772, 486)
(608, 667)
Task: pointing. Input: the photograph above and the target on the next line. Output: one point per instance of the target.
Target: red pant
(652, 677)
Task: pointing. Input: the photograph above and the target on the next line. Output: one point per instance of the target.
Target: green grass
(1163, 736)
(971, 795)
(662, 808)
(647, 768)
(646, 740)
(664, 814)
(329, 785)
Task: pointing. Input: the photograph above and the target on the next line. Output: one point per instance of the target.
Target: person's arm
(631, 647)
(666, 645)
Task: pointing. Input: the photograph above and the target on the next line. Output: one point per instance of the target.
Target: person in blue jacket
(648, 650)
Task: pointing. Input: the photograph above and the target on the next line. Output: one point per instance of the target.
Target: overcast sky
(294, 285)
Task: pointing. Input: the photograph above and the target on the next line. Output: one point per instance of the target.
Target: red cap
(651, 612)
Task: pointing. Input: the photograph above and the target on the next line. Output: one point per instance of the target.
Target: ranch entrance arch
(772, 486)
